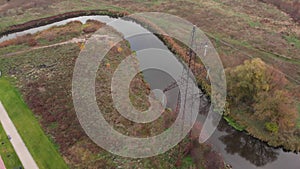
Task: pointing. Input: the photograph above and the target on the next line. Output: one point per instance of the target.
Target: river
(238, 149)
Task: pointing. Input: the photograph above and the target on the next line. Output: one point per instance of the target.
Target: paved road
(16, 140)
(2, 166)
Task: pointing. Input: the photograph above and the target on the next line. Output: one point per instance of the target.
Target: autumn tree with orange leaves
(260, 89)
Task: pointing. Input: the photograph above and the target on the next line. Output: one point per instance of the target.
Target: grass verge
(43, 151)
(7, 152)
(234, 124)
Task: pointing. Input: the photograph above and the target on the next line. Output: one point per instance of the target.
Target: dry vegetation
(239, 30)
(44, 78)
(291, 7)
(46, 87)
(54, 34)
(250, 28)
(257, 91)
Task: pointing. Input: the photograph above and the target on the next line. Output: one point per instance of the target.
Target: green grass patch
(187, 161)
(232, 123)
(254, 24)
(39, 145)
(293, 40)
(7, 152)
(12, 48)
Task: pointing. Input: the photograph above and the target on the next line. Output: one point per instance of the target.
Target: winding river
(238, 149)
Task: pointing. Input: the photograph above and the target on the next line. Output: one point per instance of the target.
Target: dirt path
(74, 40)
(16, 140)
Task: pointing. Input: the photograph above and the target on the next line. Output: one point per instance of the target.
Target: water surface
(238, 149)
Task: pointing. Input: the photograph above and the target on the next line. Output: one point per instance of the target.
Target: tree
(276, 108)
(261, 89)
(247, 80)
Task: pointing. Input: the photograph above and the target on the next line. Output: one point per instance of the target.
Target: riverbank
(44, 78)
(202, 77)
(180, 51)
(60, 17)
(241, 122)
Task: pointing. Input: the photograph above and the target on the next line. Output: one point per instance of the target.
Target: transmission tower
(185, 78)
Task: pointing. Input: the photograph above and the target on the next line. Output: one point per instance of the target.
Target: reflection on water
(237, 148)
(253, 150)
(160, 80)
(241, 150)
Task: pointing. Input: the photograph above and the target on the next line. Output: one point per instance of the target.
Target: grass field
(40, 147)
(46, 91)
(260, 31)
(8, 155)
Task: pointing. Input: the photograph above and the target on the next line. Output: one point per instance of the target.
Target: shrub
(271, 127)
(32, 42)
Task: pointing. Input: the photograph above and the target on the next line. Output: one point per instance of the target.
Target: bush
(271, 127)
(25, 39)
(32, 42)
(92, 26)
